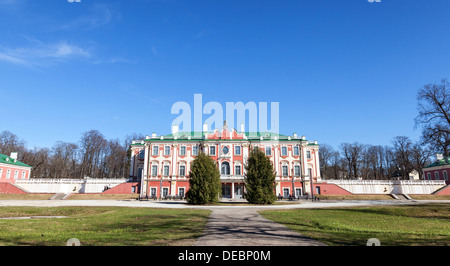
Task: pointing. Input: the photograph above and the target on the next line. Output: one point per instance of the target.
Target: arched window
(225, 169)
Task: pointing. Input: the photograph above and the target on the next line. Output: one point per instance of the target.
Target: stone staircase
(59, 196)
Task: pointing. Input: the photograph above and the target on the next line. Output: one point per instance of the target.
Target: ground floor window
(286, 192)
(181, 191)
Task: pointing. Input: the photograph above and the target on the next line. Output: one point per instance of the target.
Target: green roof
(8, 160)
(440, 162)
(198, 136)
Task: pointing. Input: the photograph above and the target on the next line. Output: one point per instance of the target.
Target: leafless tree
(434, 107)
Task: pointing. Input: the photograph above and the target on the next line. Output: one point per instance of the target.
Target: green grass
(102, 226)
(413, 225)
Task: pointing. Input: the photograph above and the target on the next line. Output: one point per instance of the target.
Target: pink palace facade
(162, 163)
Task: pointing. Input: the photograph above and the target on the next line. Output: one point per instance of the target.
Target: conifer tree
(204, 181)
(259, 178)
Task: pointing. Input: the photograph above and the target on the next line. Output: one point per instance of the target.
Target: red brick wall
(8, 188)
(330, 189)
(444, 191)
(124, 188)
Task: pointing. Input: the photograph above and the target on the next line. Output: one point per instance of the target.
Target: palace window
(154, 170)
(296, 151)
(166, 150)
(8, 174)
(284, 169)
(166, 170)
(183, 150)
(297, 170)
(237, 150)
(142, 154)
(308, 154)
(155, 150)
(182, 170)
(283, 151)
(195, 150)
(268, 151)
(237, 170)
(225, 169)
(212, 150)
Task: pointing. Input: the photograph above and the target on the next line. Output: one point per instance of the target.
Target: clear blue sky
(342, 71)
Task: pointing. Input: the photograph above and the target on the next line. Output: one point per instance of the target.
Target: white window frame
(445, 175)
(268, 148)
(214, 148)
(155, 150)
(24, 173)
(236, 148)
(194, 148)
(165, 189)
(240, 170)
(308, 154)
(295, 151)
(184, 170)
(297, 173)
(283, 168)
(154, 170)
(166, 173)
(183, 150)
(1, 172)
(284, 151)
(165, 150)
(16, 174)
(8, 173)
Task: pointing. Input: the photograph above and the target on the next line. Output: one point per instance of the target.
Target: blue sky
(342, 71)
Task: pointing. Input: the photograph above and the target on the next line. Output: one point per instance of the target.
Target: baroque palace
(162, 163)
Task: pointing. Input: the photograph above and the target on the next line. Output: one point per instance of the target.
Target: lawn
(101, 226)
(413, 225)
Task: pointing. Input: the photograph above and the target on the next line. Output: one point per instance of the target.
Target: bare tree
(434, 117)
(402, 152)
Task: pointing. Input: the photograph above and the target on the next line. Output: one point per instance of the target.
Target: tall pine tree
(259, 178)
(204, 181)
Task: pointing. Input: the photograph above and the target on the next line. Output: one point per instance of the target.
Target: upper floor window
(166, 150)
(237, 150)
(166, 170)
(268, 151)
(237, 170)
(8, 174)
(284, 169)
(16, 174)
(195, 150)
(141, 154)
(182, 170)
(154, 170)
(23, 174)
(183, 150)
(212, 150)
(297, 170)
(283, 151)
(225, 169)
(155, 150)
(308, 154)
(296, 151)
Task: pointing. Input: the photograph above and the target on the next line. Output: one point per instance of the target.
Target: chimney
(14, 156)
(439, 156)
(153, 135)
